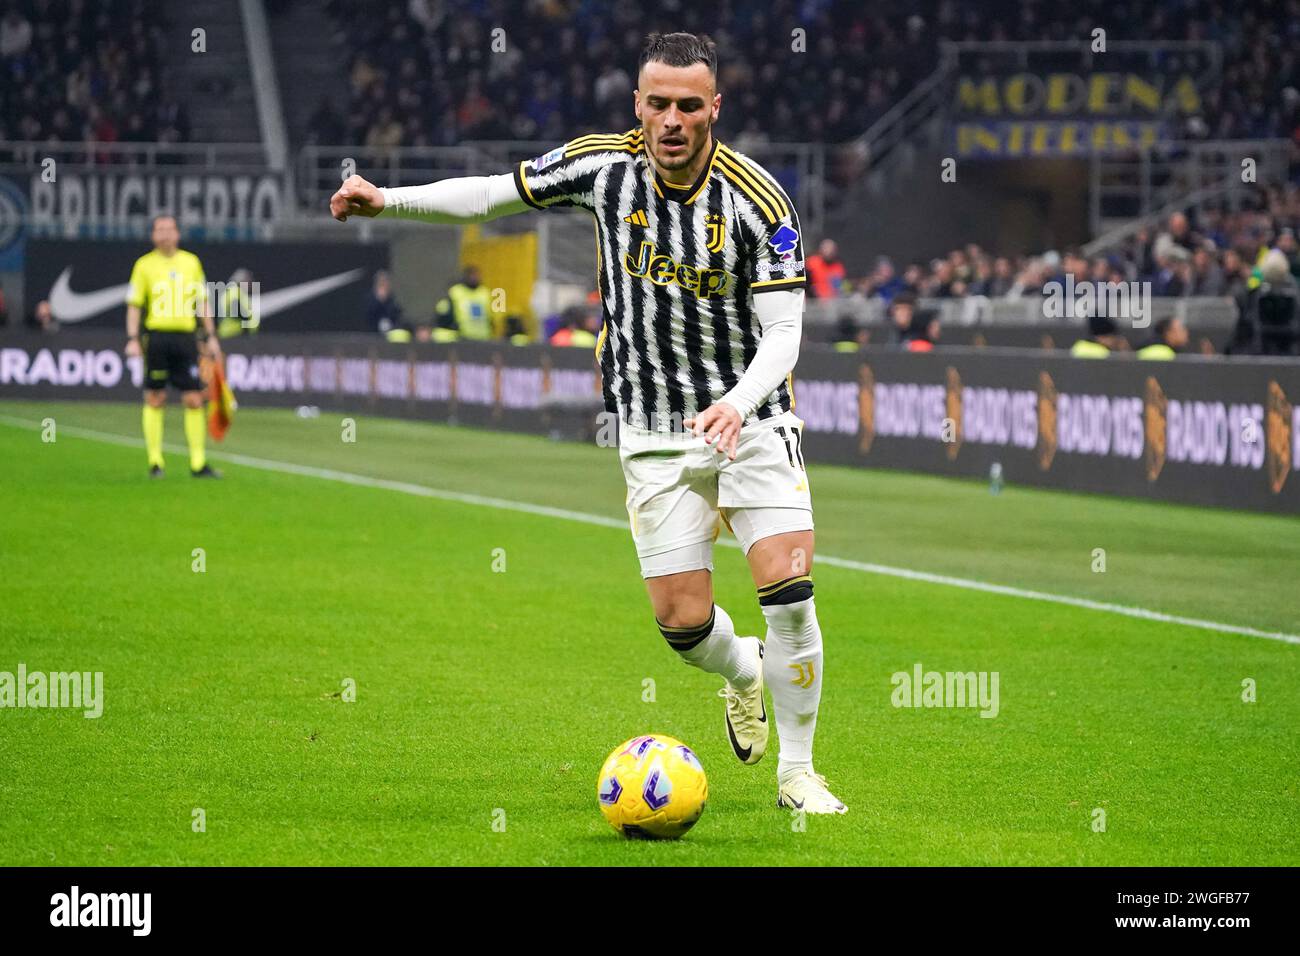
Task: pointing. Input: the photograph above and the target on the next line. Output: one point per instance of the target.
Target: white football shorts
(680, 491)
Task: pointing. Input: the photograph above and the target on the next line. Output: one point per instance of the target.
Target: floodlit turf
(485, 696)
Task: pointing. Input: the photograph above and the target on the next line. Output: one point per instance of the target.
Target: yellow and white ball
(652, 787)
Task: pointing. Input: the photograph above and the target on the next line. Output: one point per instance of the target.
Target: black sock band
(684, 638)
(787, 591)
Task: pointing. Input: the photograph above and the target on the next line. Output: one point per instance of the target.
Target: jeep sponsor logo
(664, 270)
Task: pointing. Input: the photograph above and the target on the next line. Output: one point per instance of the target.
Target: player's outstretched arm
(461, 200)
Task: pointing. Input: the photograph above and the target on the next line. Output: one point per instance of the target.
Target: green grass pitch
(489, 696)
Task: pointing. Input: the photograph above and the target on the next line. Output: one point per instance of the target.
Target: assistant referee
(169, 287)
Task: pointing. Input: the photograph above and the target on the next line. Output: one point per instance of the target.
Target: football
(652, 787)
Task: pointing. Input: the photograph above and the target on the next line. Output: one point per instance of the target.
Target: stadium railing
(1023, 55)
(320, 169)
(903, 121)
(1134, 187)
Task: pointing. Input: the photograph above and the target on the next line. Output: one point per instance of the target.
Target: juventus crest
(716, 223)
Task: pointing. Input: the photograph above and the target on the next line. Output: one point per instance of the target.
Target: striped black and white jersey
(678, 269)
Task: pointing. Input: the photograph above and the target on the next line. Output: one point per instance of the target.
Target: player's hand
(132, 348)
(214, 348)
(356, 197)
(720, 425)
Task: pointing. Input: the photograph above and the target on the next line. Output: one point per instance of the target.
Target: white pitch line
(505, 504)
(1138, 612)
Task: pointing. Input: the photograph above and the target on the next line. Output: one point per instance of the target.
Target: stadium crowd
(425, 72)
(74, 71)
(438, 72)
(1207, 252)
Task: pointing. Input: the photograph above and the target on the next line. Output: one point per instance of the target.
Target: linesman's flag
(221, 402)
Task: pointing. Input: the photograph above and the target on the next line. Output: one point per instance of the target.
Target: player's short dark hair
(679, 49)
(1163, 326)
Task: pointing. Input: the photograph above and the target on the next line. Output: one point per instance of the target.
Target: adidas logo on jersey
(637, 218)
(661, 270)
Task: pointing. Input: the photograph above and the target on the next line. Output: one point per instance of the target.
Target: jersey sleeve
(778, 257)
(136, 293)
(566, 176)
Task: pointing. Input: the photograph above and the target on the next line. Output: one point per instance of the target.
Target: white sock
(715, 649)
(792, 668)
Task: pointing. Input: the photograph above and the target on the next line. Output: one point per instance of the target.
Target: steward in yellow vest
(1103, 338)
(235, 310)
(1170, 336)
(468, 304)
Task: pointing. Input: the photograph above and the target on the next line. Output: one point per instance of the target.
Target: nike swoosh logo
(69, 306)
(281, 299)
(741, 752)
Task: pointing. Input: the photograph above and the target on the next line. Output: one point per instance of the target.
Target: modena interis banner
(1222, 432)
(1062, 114)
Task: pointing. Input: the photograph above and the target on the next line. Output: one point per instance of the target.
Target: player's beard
(686, 159)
